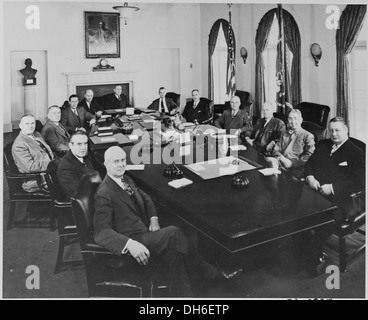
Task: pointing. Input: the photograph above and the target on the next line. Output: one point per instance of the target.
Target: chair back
(358, 143)
(39, 126)
(314, 112)
(10, 168)
(175, 97)
(318, 132)
(56, 192)
(84, 207)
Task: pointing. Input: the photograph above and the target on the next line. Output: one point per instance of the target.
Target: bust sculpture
(28, 73)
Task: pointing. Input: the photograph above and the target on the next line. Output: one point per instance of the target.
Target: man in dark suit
(163, 104)
(196, 111)
(126, 220)
(54, 133)
(90, 104)
(336, 170)
(267, 129)
(116, 100)
(74, 164)
(75, 118)
(235, 121)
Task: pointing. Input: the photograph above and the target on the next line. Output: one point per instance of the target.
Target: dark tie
(263, 124)
(127, 188)
(77, 115)
(162, 106)
(43, 147)
(333, 150)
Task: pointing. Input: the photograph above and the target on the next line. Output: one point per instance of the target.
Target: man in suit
(295, 146)
(91, 105)
(163, 104)
(196, 111)
(76, 118)
(126, 220)
(266, 130)
(116, 100)
(235, 121)
(336, 170)
(74, 164)
(30, 152)
(54, 133)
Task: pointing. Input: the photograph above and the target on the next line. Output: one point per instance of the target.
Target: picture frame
(102, 35)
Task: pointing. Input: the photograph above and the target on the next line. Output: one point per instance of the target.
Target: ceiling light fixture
(126, 11)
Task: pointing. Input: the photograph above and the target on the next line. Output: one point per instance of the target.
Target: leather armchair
(314, 112)
(109, 275)
(318, 131)
(175, 97)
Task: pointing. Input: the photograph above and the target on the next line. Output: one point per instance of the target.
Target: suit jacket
(112, 102)
(271, 132)
(241, 121)
(297, 147)
(70, 121)
(57, 137)
(30, 157)
(171, 105)
(201, 113)
(345, 169)
(70, 171)
(94, 106)
(116, 218)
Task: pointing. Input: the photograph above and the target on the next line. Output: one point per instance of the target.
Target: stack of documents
(181, 183)
(270, 172)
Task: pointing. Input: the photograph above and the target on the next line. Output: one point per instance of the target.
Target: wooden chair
(109, 275)
(211, 109)
(16, 192)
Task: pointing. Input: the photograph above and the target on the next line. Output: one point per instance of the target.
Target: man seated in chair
(196, 111)
(164, 104)
(116, 100)
(266, 130)
(295, 146)
(126, 221)
(54, 133)
(74, 164)
(91, 105)
(31, 153)
(336, 170)
(76, 118)
(235, 121)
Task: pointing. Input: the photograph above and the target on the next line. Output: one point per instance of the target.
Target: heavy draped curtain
(351, 22)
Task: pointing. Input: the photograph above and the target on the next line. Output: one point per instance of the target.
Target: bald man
(30, 152)
(235, 121)
(126, 221)
(267, 130)
(90, 104)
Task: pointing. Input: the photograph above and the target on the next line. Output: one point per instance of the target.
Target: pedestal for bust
(30, 99)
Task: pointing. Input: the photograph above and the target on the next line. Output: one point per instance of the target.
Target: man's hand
(99, 114)
(92, 122)
(80, 129)
(154, 225)
(326, 190)
(249, 141)
(139, 252)
(313, 183)
(285, 162)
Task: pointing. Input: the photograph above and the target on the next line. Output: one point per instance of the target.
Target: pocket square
(343, 164)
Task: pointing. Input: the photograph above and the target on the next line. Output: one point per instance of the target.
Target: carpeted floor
(270, 271)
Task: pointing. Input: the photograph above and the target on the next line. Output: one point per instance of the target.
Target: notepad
(133, 137)
(181, 183)
(269, 172)
(137, 167)
(238, 148)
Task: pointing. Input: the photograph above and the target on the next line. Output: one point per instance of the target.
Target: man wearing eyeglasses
(75, 164)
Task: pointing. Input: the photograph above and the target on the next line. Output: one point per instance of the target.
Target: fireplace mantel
(75, 79)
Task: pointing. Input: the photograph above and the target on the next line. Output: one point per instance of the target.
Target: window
(358, 76)
(270, 60)
(219, 69)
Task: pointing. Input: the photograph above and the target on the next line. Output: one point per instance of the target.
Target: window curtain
(211, 49)
(351, 22)
(261, 42)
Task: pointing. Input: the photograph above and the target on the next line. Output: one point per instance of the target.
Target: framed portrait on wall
(102, 35)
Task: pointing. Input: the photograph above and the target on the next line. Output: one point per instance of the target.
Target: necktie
(334, 148)
(263, 124)
(127, 188)
(162, 106)
(232, 114)
(76, 113)
(43, 147)
(194, 105)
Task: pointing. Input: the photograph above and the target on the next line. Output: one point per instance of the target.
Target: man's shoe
(227, 276)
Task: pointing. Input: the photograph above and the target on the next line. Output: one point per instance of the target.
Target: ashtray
(173, 172)
(240, 182)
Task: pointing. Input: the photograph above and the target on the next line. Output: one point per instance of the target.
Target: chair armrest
(33, 175)
(94, 248)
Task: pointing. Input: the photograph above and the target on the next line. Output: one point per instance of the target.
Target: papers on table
(107, 139)
(132, 167)
(129, 111)
(220, 167)
(238, 148)
(133, 137)
(188, 124)
(269, 172)
(180, 183)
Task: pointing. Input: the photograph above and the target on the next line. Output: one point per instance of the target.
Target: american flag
(230, 76)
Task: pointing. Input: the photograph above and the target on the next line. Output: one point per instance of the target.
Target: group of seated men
(125, 218)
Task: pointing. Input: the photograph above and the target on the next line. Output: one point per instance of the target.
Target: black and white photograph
(184, 155)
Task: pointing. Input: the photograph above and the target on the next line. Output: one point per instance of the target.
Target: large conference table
(270, 208)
